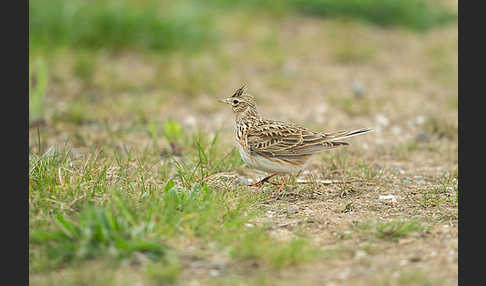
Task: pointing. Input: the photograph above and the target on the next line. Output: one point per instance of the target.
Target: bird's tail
(340, 135)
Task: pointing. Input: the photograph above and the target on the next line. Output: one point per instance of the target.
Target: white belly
(261, 163)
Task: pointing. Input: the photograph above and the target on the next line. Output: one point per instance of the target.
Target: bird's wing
(284, 140)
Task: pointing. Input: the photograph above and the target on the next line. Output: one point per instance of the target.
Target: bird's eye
(235, 102)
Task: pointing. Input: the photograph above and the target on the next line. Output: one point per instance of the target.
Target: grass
(354, 106)
(416, 14)
(404, 149)
(441, 128)
(443, 193)
(408, 277)
(117, 25)
(188, 25)
(111, 231)
(38, 74)
(84, 67)
(276, 255)
(390, 230)
(417, 278)
(163, 273)
(341, 163)
(118, 208)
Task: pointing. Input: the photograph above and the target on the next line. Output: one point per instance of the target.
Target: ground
(381, 211)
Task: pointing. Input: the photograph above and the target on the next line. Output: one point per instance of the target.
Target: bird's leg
(262, 181)
(281, 186)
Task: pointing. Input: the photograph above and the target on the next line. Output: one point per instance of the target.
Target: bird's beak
(225, 100)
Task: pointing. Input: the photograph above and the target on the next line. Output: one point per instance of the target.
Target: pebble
(382, 120)
(415, 258)
(197, 264)
(422, 182)
(398, 170)
(245, 181)
(405, 241)
(396, 130)
(386, 198)
(288, 212)
(420, 119)
(358, 89)
(422, 137)
(360, 254)
(344, 274)
(308, 211)
(190, 120)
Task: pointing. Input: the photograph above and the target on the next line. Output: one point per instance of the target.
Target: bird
(277, 147)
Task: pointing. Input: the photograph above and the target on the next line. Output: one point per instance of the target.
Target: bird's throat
(249, 113)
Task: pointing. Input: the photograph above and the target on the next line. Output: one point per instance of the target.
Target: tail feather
(340, 135)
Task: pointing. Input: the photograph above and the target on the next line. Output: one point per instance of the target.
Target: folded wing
(286, 141)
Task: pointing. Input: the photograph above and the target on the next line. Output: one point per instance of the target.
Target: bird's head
(241, 102)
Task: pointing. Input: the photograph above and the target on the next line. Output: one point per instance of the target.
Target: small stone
(382, 120)
(190, 120)
(405, 241)
(422, 182)
(139, 258)
(360, 254)
(415, 258)
(244, 181)
(387, 198)
(308, 211)
(398, 170)
(396, 130)
(197, 264)
(344, 274)
(358, 89)
(422, 137)
(287, 212)
(420, 119)
(270, 213)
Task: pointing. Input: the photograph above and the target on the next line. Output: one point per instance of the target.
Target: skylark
(277, 147)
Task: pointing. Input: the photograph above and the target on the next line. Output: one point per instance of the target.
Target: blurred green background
(79, 35)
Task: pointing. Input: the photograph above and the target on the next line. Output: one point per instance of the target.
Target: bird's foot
(262, 181)
(277, 194)
(257, 184)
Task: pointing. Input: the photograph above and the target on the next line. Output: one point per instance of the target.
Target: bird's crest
(239, 92)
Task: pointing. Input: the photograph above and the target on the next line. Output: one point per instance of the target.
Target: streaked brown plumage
(275, 146)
